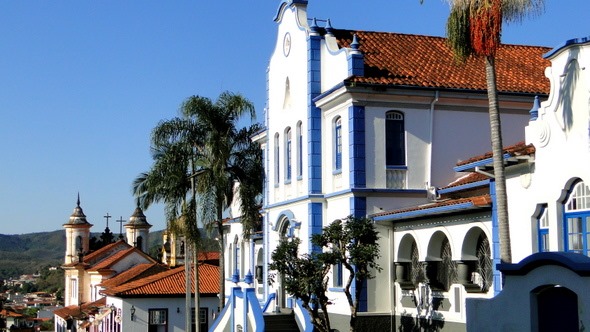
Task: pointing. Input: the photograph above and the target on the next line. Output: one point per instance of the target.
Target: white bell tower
(77, 235)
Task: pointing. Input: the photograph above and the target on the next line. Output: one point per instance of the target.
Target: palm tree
(205, 152)
(473, 29)
(227, 157)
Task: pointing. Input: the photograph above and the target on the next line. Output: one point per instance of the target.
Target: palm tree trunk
(221, 258)
(187, 275)
(197, 292)
(498, 162)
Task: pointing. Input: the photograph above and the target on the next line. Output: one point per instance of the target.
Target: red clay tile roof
(137, 272)
(169, 283)
(80, 311)
(466, 179)
(476, 201)
(7, 313)
(518, 149)
(105, 251)
(425, 61)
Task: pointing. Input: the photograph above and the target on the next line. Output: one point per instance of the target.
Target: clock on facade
(287, 44)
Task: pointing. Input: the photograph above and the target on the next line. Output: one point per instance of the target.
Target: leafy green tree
(473, 29)
(352, 243)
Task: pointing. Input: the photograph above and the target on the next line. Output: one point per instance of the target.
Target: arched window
(237, 257)
(338, 143)
(395, 139)
(577, 219)
(288, 148)
(276, 159)
(442, 272)
(543, 229)
(139, 243)
(299, 151)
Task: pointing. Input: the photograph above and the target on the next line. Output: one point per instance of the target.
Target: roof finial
(355, 42)
(534, 112)
(314, 26)
(78, 202)
(329, 28)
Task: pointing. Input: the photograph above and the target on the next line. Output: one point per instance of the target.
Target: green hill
(28, 253)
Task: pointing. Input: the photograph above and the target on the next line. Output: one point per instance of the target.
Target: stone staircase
(280, 322)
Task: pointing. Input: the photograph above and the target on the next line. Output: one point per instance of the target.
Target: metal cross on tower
(120, 221)
(107, 217)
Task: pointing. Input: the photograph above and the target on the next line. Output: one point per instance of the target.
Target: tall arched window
(276, 159)
(577, 219)
(338, 143)
(288, 147)
(299, 151)
(395, 139)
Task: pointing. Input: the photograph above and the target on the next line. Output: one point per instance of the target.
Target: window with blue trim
(543, 230)
(395, 139)
(338, 143)
(577, 220)
(288, 155)
(299, 151)
(337, 278)
(276, 159)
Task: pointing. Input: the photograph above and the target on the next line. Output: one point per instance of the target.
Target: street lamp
(132, 310)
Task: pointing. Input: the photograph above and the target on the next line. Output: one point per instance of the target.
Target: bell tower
(77, 235)
(137, 230)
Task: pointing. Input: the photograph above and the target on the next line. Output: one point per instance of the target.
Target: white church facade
(368, 124)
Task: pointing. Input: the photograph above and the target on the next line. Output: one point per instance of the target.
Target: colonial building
(119, 287)
(360, 123)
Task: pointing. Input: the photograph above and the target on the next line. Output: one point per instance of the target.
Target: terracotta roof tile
(80, 311)
(476, 201)
(425, 61)
(105, 251)
(137, 272)
(466, 179)
(171, 282)
(518, 149)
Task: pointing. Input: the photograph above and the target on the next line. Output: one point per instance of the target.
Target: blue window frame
(299, 151)
(543, 230)
(276, 159)
(577, 220)
(395, 139)
(338, 143)
(288, 155)
(337, 275)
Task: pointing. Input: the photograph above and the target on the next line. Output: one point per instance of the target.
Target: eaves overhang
(439, 210)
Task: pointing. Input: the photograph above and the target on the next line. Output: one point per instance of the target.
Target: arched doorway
(556, 309)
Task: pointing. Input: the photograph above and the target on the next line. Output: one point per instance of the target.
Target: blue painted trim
(314, 120)
(357, 147)
(356, 64)
(402, 167)
(336, 289)
(269, 300)
(465, 186)
(295, 200)
(307, 319)
(578, 263)
(570, 42)
(256, 310)
(224, 311)
(315, 224)
(358, 207)
(483, 162)
(337, 171)
(285, 213)
(328, 92)
(413, 214)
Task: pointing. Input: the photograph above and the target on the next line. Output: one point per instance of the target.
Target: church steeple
(137, 229)
(77, 234)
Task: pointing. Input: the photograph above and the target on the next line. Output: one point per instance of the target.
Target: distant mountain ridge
(28, 253)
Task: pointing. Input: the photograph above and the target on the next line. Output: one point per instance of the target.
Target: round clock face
(287, 44)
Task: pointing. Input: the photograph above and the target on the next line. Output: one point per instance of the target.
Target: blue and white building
(362, 123)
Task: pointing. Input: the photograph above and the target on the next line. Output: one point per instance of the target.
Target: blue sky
(82, 83)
